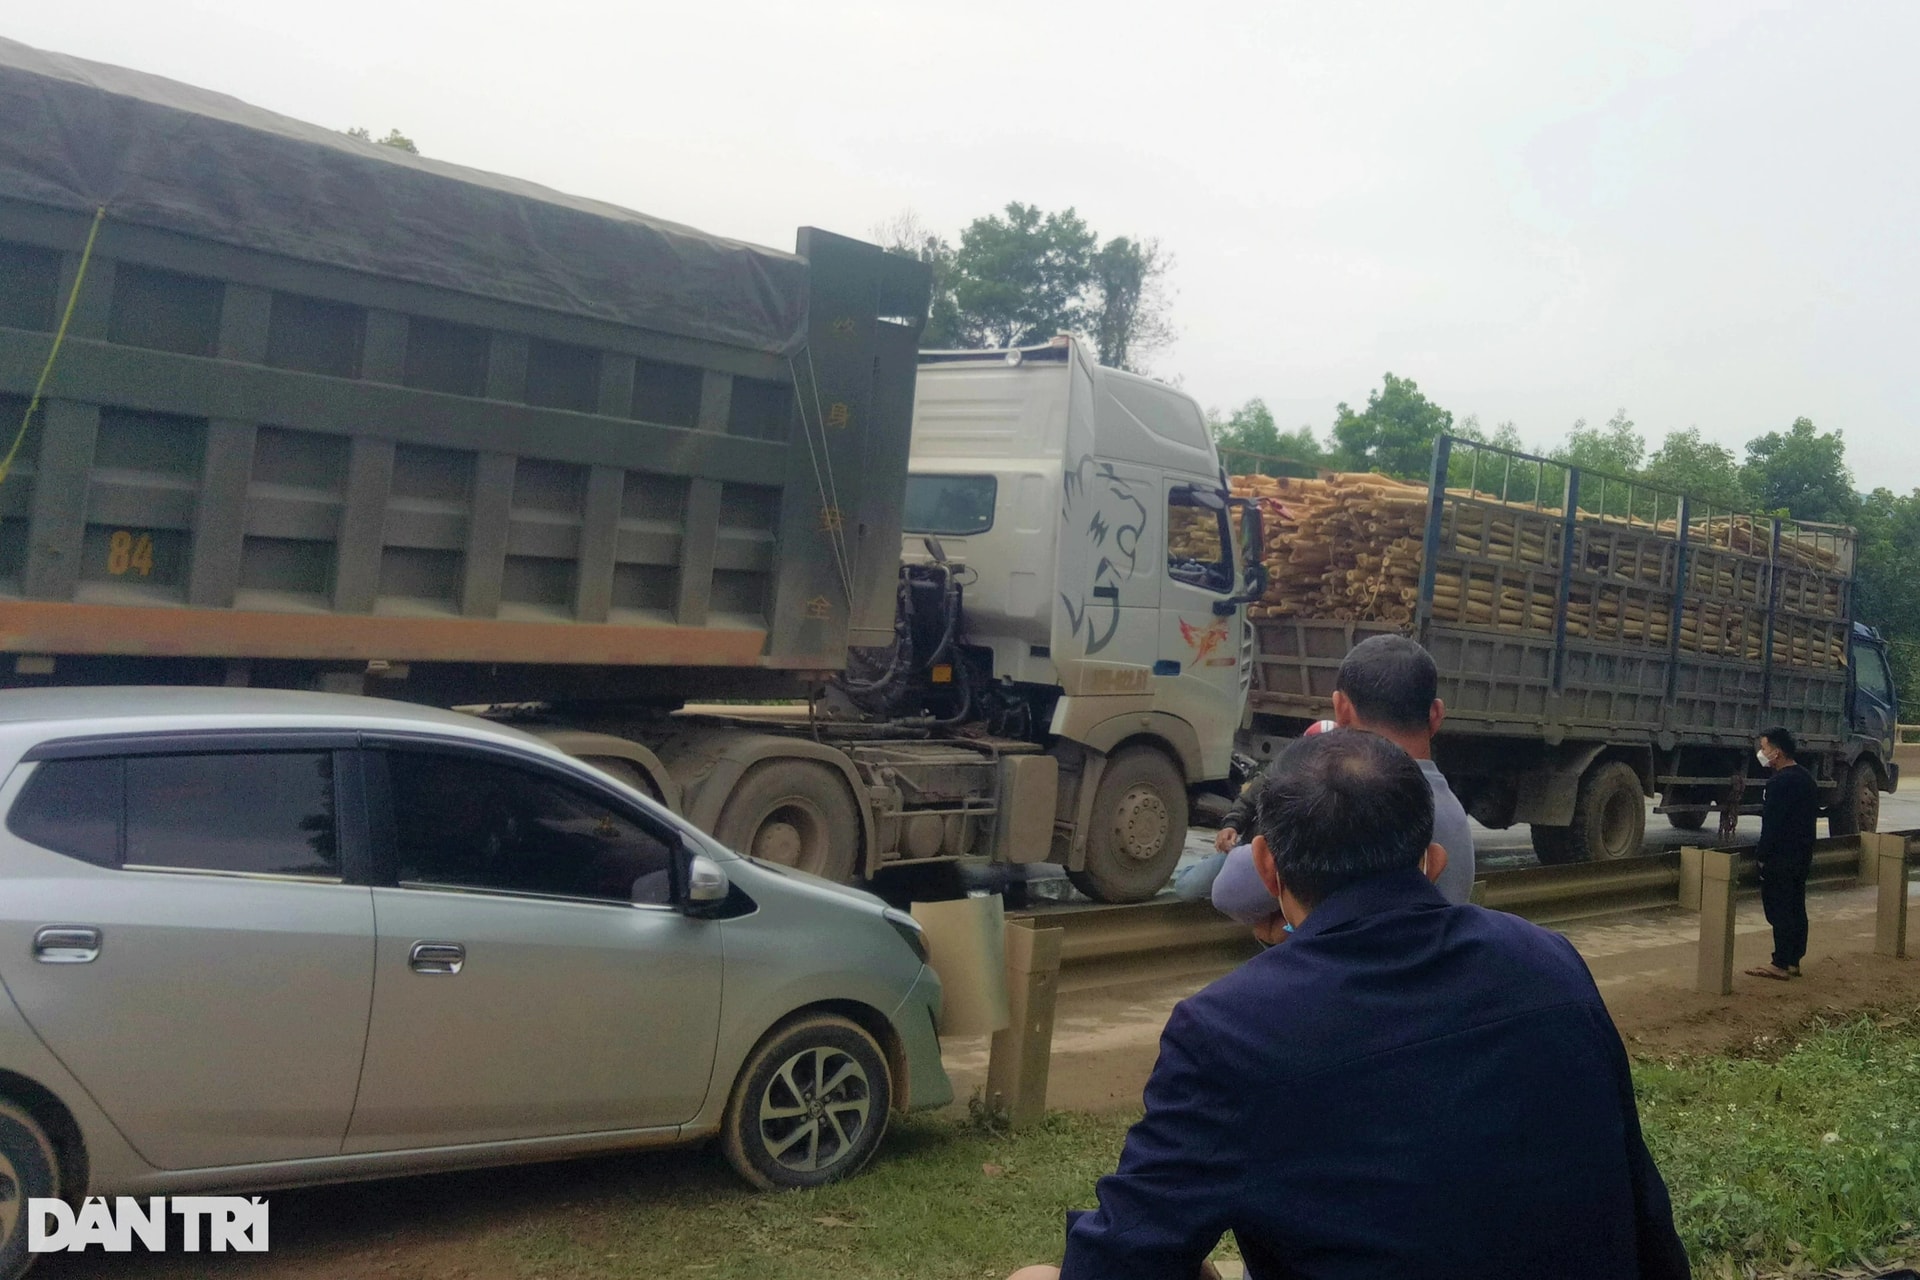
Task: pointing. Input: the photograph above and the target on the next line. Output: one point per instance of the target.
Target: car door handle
(66, 944)
(436, 957)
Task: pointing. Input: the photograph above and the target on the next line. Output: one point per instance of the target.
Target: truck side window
(1199, 546)
(1870, 674)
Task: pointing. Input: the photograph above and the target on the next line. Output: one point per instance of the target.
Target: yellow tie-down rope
(53, 353)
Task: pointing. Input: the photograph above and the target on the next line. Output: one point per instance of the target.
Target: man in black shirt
(1785, 852)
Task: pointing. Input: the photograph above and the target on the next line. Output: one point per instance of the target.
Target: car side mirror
(707, 883)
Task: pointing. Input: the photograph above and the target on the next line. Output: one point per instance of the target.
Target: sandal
(1768, 971)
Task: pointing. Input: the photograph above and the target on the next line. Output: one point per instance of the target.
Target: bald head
(1340, 807)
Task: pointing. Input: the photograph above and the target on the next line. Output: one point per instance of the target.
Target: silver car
(256, 939)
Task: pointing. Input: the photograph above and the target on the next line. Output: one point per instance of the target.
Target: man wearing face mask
(1785, 852)
(1406, 1088)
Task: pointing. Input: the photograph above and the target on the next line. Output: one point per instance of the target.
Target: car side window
(72, 807)
(260, 813)
(467, 822)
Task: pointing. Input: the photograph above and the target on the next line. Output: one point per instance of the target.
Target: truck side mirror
(1253, 538)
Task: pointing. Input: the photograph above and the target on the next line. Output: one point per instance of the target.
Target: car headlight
(909, 930)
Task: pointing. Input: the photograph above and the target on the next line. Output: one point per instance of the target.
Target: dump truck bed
(325, 403)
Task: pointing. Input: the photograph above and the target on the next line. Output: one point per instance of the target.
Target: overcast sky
(1703, 212)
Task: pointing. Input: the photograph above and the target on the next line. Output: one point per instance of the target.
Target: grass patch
(1808, 1156)
(1800, 1159)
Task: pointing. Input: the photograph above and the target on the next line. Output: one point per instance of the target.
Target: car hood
(809, 881)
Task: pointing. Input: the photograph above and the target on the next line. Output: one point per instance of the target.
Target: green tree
(1803, 472)
(1023, 277)
(395, 139)
(1884, 568)
(1394, 434)
(1129, 315)
(1249, 441)
(1616, 448)
(1691, 464)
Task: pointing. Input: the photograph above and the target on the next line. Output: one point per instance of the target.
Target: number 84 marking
(130, 552)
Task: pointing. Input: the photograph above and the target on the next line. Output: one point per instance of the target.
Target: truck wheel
(1857, 808)
(1139, 827)
(1610, 815)
(29, 1170)
(1691, 821)
(1552, 845)
(810, 1106)
(797, 813)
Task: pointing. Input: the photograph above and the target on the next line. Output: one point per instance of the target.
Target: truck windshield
(952, 505)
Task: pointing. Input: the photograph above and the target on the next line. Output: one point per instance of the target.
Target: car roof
(138, 709)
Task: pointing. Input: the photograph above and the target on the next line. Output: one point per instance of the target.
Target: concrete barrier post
(1478, 894)
(1717, 871)
(1690, 863)
(1869, 859)
(1017, 1066)
(1889, 855)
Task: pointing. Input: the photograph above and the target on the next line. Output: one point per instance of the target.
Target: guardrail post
(1018, 1063)
(1870, 858)
(1717, 874)
(1889, 854)
(1691, 862)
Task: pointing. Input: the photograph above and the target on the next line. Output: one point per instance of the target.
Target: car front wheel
(810, 1106)
(29, 1170)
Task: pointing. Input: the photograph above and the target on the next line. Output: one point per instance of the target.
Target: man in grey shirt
(1387, 686)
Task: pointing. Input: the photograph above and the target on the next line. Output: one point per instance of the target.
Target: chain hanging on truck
(831, 522)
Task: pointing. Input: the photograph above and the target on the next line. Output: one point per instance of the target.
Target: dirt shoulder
(1106, 1039)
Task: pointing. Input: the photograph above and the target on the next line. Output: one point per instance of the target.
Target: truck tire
(1609, 820)
(1690, 821)
(1139, 827)
(1610, 815)
(1552, 845)
(1857, 807)
(797, 813)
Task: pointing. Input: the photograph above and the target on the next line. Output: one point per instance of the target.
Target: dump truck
(317, 413)
(1599, 641)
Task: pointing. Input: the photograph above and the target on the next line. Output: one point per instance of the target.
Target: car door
(180, 929)
(534, 978)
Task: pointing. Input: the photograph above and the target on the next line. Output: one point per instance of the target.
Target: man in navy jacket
(1403, 1088)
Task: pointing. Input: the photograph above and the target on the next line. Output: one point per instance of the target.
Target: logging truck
(1600, 641)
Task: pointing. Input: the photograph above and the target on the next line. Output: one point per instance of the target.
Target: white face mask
(1761, 756)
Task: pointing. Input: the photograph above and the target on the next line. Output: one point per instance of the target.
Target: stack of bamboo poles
(1341, 546)
(1347, 547)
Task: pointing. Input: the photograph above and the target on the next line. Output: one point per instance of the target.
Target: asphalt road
(1496, 850)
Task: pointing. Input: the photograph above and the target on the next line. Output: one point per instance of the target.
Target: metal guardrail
(1146, 936)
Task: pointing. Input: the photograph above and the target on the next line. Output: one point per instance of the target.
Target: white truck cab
(1090, 511)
